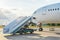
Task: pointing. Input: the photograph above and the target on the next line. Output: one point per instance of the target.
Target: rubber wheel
(31, 32)
(40, 29)
(21, 33)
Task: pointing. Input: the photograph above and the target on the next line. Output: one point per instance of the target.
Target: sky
(25, 7)
(16, 8)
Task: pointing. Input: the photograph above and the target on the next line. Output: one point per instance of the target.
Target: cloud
(25, 6)
(33, 0)
(53, 0)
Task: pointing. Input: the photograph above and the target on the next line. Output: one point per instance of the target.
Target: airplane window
(48, 10)
(53, 9)
(58, 8)
(34, 18)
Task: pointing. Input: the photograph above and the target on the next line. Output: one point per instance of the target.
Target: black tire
(21, 33)
(40, 29)
(31, 32)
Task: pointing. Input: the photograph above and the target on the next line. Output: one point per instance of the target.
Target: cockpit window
(34, 18)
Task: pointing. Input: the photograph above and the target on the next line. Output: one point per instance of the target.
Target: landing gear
(21, 33)
(40, 29)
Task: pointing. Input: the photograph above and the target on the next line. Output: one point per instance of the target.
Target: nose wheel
(40, 29)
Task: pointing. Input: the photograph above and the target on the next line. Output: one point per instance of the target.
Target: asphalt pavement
(44, 35)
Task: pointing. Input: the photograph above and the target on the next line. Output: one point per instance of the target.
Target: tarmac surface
(44, 35)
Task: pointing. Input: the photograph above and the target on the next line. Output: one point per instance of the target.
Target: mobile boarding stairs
(17, 26)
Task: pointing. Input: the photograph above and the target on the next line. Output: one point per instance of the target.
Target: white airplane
(47, 14)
